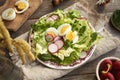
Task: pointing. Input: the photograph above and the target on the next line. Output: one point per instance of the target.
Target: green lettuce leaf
(73, 14)
(48, 57)
(87, 37)
(69, 60)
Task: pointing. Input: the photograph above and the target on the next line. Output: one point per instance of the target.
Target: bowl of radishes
(108, 69)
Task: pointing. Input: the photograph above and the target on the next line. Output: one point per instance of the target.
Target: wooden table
(86, 72)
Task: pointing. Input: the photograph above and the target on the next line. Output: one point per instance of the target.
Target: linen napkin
(37, 71)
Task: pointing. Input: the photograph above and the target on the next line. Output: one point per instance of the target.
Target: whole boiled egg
(52, 31)
(72, 36)
(21, 6)
(9, 14)
(64, 29)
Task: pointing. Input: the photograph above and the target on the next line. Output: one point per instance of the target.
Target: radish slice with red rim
(83, 55)
(55, 17)
(49, 38)
(49, 19)
(57, 38)
(52, 48)
(59, 43)
(31, 37)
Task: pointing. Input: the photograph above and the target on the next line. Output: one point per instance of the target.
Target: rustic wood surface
(87, 71)
(15, 24)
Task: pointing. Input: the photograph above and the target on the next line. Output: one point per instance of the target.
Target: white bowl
(99, 63)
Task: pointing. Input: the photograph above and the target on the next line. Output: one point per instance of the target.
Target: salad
(62, 37)
(115, 19)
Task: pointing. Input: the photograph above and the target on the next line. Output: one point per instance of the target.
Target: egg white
(67, 30)
(11, 16)
(76, 38)
(27, 6)
(52, 29)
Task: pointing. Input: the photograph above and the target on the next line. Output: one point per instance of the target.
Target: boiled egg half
(9, 14)
(72, 36)
(64, 29)
(21, 6)
(52, 31)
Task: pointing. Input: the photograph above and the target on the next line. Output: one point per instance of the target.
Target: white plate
(74, 65)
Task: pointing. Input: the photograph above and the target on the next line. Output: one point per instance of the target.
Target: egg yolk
(21, 5)
(63, 29)
(70, 35)
(9, 13)
(51, 33)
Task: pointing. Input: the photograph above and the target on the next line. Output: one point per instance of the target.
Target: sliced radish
(83, 55)
(57, 38)
(52, 48)
(59, 43)
(31, 37)
(54, 17)
(49, 19)
(49, 38)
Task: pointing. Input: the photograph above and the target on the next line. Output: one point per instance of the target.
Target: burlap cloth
(37, 71)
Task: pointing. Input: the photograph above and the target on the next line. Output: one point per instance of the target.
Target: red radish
(106, 65)
(57, 38)
(31, 37)
(49, 38)
(117, 75)
(49, 19)
(52, 48)
(54, 17)
(83, 55)
(116, 65)
(59, 43)
(106, 76)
